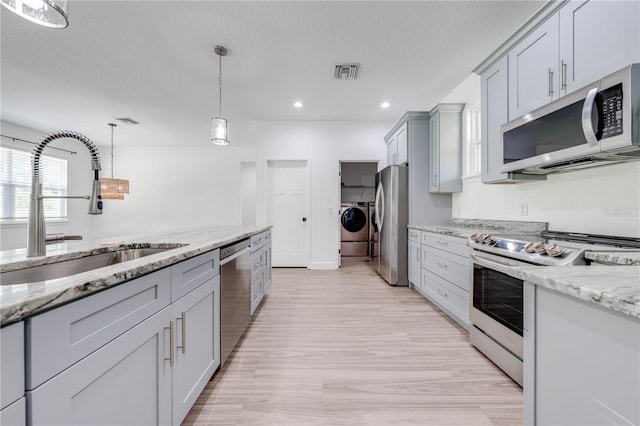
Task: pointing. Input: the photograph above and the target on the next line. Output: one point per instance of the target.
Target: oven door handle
(500, 264)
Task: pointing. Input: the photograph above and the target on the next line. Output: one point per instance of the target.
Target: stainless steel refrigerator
(392, 215)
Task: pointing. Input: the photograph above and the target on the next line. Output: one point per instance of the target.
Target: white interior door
(288, 212)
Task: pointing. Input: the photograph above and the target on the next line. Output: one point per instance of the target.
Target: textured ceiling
(154, 61)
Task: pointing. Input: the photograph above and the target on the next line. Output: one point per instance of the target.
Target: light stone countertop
(628, 258)
(613, 287)
(464, 228)
(21, 300)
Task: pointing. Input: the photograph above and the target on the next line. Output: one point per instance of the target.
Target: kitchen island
(581, 345)
(130, 343)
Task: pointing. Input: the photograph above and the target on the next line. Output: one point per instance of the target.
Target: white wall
(170, 187)
(324, 144)
(602, 200)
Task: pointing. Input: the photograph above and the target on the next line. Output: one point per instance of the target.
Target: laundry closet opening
(357, 210)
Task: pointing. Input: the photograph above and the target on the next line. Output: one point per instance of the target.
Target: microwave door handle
(587, 124)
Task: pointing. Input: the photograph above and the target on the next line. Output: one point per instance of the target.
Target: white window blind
(15, 185)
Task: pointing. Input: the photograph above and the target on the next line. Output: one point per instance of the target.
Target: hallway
(344, 348)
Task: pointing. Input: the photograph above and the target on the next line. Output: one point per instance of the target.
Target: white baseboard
(323, 265)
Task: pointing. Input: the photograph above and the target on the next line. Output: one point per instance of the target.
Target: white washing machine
(354, 229)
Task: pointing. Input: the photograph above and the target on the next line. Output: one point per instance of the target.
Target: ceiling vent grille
(345, 71)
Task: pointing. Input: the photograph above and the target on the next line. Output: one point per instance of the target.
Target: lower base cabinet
(127, 381)
(197, 351)
(260, 268)
(150, 374)
(581, 362)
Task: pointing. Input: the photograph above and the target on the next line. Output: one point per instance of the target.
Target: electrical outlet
(524, 209)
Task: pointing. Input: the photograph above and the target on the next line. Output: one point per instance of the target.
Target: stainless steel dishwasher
(235, 295)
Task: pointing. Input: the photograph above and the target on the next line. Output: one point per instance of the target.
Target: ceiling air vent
(345, 71)
(127, 120)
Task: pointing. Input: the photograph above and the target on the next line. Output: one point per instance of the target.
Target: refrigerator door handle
(379, 211)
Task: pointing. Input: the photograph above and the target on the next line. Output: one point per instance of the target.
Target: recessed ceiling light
(297, 104)
(385, 105)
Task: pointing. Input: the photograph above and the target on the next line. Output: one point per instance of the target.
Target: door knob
(304, 219)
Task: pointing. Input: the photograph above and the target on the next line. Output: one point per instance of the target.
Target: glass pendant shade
(49, 13)
(219, 131)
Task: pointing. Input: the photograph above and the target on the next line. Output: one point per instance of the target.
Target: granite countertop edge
(613, 287)
(22, 300)
(464, 227)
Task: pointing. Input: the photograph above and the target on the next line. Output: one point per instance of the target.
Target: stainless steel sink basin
(75, 266)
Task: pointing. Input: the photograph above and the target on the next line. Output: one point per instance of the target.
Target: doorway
(357, 195)
(287, 210)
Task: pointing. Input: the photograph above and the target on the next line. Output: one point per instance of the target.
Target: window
(15, 185)
(472, 140)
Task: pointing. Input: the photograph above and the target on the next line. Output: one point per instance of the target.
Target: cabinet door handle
(183, 318)
(442, 265)
(442, 243)
(172, 342)
(442, 293)
(550, 78)
(563, 75)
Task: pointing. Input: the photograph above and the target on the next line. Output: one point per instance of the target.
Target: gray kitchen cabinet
(127, 347)
(445, 274)
(397, 146)
(196, 345)
(425, 208)
(125, 382)
(14, 414)
(414, 254)
(533, 69)
(12, 401)
(445, 148)
(260, 268)
(586, 54)
(580, 362)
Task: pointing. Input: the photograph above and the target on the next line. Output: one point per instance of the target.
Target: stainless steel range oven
(496, 302)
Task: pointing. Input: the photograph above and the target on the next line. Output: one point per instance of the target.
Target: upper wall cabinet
(588, 51)
(559, 50)
(533, 64)
(570, 49)
(397, 148)
(445, 148)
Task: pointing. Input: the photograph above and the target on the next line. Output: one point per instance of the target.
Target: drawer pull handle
(442, 265)
(442, 293)
(171, 343)
(183, 318)
(442, 243)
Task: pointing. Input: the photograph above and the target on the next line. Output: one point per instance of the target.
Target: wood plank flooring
(344, 348)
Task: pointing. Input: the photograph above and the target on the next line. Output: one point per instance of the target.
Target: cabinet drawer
(63, 336)
(447, 265)
(448, 296)
(11, 363)
(448, 243)
(415, 235)
(259, 240)
(191, 273)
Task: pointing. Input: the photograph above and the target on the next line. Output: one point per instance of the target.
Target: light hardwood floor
(344, 348)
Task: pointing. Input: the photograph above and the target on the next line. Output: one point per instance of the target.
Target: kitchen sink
(66, 268)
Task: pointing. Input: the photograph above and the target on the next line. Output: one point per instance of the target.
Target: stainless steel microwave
(594, 126)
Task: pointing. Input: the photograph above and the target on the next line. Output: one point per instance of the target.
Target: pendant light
(219, 130)
(49, 13)
(110, 188)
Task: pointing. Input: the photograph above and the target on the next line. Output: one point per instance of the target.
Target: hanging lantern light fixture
(219, 129)
(110, 188)
(49, 13)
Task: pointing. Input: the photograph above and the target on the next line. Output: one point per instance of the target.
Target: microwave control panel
(612, 111)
